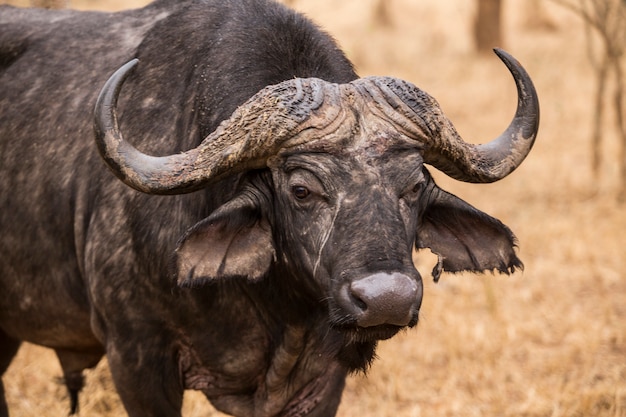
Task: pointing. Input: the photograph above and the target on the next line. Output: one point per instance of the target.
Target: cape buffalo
(261, 257)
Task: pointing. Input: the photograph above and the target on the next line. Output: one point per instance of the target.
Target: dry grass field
(546, 342)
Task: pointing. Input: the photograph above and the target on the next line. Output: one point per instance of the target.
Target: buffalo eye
(300, 192)
(417, 187)
(415, 190)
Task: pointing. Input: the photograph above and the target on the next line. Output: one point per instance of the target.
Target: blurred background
(548, 341)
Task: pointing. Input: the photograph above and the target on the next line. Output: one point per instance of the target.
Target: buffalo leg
(73, 363)
(147, 381)
(8, 349)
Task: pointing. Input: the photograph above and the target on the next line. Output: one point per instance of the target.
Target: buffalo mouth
(359, 342)
(370, 334)
(358, 334)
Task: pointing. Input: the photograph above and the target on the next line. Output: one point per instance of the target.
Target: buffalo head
(334, 194)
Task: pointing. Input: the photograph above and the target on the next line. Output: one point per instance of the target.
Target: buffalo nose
(384, 298)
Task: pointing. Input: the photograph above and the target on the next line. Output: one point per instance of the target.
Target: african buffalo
(265, 254)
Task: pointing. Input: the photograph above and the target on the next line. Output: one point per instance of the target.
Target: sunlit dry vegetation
(549, 341)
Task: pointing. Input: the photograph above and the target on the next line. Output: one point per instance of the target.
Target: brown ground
(550, 341)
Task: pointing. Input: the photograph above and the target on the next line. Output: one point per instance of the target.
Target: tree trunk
(598, 116)
(537, 17)
(621, 125)
(382, 16)
(487, 31)
(50, 4)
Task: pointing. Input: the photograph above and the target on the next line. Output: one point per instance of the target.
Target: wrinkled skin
(266, 318)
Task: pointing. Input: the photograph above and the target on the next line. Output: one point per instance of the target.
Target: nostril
(358, 302)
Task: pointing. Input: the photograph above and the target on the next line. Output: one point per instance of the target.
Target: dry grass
(550, 341)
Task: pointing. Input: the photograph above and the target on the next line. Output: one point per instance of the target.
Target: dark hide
(261, 321)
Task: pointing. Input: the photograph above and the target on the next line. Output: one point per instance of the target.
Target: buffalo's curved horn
(420, 116)
(257, 130)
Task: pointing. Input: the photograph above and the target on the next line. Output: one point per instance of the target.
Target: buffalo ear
(235, 241)
(464, 238)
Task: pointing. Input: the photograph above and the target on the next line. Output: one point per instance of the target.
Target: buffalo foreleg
(74, 382)
(73, 363)
(146, 374)
(8, 349)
